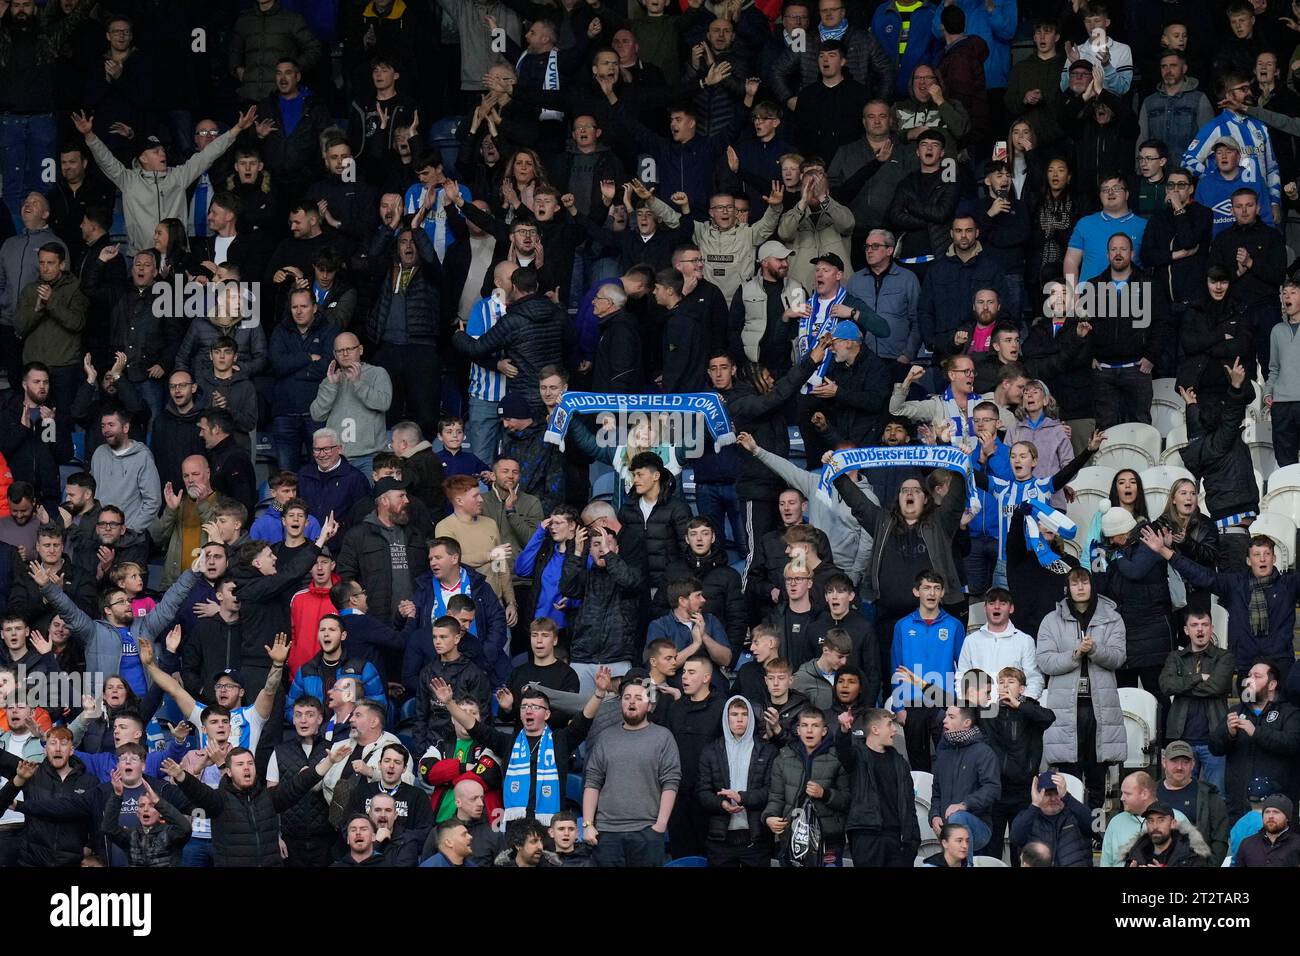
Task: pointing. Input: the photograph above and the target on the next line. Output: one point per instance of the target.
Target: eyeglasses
(1178, 185)
(207, 133)
(879, 245)
(727, 208)
(346, 349)
(961, 371)
(527, 232)
(788, 580)
(226, 686)
(324, 448)
(1114, 189)
(108, 524)
(533, 707)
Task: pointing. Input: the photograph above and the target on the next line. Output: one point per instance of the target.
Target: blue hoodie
(928, 649)
(996, 28)
(1215, 193)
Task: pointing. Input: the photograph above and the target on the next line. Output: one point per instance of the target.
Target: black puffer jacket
(246, 823)
(1071, 385)
(922, 207)
(1016, 736)
(1066, 834)
(663, 534)
(160, 846)
(533, 333)
(310, 816)
(864, 787)
(724, 597)
(261, 39)
(1219, 457)
(147, 338)
(367, 557)
(715, 775)
(1138, 582)
(1214, 335)
(604, 629)
(57, 840)
(423, 291)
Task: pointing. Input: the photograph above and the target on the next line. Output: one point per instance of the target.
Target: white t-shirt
(245, 726)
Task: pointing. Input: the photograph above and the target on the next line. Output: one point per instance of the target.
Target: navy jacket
(489, 649)
(297, 377)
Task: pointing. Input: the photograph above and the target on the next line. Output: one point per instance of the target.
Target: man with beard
(180, 528)
(384, 551)
(1275, 845)
(124, 471)
(764, 308)
(630, 787)
(1167, 842)
(393, 838)
(175, 432)
(410, 802)
(31, 444)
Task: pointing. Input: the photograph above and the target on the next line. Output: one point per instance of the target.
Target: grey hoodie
(129, 480)
(150, 197)
(18, 267)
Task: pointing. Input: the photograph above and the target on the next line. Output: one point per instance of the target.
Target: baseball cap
(1179, 748)
(847, 330)
(1260, 787)
(1159, 808)
(830, 259)
(1045, 781)
(233, 674)
(774, 249)
(384, 485)
(148, 143)
(1229, 141)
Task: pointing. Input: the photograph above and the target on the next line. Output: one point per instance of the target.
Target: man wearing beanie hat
(1276, 845)
(541, 466)
(1165, 841)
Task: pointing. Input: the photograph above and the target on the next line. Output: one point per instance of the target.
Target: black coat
(715, 775)
(1070, 382)
(1067, 834)
(685, 348)
(694, 725)
(232, 472)
(366, 557)
(1016, 736)
(617, 365)
(920, 212)
(1270, 753)
(210, 647)
(864, 790)
(948, 293)
(30, 457)
(767, 562)
(604, 629)
(966, 773)
(432, 719)
(534, 332)
(1219, 457)
(764, 418)
(176, 437)
(246, 823)
(661, 537)
(57, 840)
(1184, 280)
(264, 608)
(1214, 335)
(309, 817)
(423, 296)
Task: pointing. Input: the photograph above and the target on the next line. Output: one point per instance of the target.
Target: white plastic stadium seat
(1285, 477)
(976, 617)
(923, 784)
(988, 861)
(1073, 786)
(1175, 441)
(1258, 437)
(1282, 530)
(1157, 481)
(1140, 710)
(1091, 487)
(1227, 861)
(1219, 618)
(1284, 501)
(1168, 409)
(1130, 445)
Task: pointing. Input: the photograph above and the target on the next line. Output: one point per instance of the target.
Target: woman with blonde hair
(1038, 420)
(1194, 534)
(524, 175)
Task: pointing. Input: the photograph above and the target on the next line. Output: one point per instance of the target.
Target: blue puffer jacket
(922, 45)
(297, 377)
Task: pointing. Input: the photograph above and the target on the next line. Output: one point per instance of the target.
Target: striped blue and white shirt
(485, 383)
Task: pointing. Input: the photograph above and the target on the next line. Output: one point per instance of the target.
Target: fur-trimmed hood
(1194, 839)
(506, 858)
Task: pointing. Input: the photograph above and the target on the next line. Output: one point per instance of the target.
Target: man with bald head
(353, 400)
(179, 529)
(1136, 793)
(471, 811)
(18, 268)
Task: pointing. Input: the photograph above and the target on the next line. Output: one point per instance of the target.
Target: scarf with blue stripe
(440, 604)
(1044, 515)
(819, 322)
(918, 456)
(833, 33)
(546, 785)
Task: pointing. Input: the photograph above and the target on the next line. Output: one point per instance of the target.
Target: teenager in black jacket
(1015, 733)
(732, 790)
(881, 822)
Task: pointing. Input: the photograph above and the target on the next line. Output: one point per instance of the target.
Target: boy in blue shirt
(457, 460)
(923, 663)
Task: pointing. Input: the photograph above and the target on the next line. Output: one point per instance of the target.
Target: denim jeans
(197, 853)
(638, 848)
(1208, 766)
(27, 140)
(587, 674)
(588, 269)
(483, 428)
(289, 435)
(718, 503)
(364, 464)
(980, 563)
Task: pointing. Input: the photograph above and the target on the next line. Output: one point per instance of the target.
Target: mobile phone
(1000, 151)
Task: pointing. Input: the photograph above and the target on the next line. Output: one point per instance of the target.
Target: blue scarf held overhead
(916, 456)
(1046, 516)
(707, 404)
(546, 785)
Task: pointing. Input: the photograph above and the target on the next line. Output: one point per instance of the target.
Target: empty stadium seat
(923, 784)
(988, 861)
(1091, 487)
(1130, 445)
(1258, 437)
(1219, 618)
(976, 617)
(1140, 718)
(1168, 409)
(1174, 442)
(1287, 476)
(1074, 786)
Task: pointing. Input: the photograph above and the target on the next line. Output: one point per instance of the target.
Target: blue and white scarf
(818, 322)
(707, 404)
(833, 33)
(440, 605)
(546, 785)
(1045, 516)
(964, 425)
(916, 456)
(550, 80)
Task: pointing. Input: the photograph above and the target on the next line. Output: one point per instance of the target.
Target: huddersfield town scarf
(833, 33)
(819, 322)
(1045, 516)
(440, 605)
(546, 786)
(916, 456)
(707, 404)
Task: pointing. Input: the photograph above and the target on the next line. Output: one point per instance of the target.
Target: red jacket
(306, 608)
(443, 775)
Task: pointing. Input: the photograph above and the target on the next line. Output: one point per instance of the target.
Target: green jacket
(1212, 819)
(788, 785)
(52, 334)
(1182, 679)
